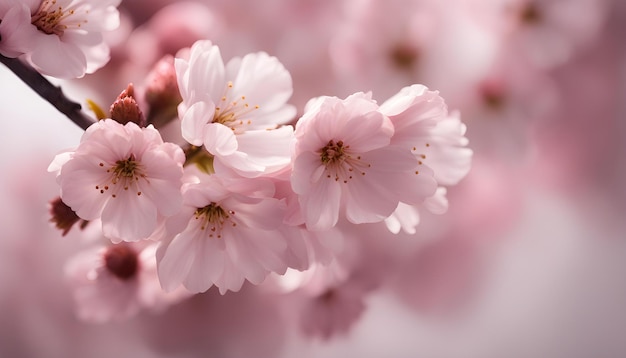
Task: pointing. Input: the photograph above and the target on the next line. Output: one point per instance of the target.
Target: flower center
(231, 112)
(339, 163)
(332, 152)
(121, 261)
(125, 174)
(125, 168)
(53, 19)
(214, 217)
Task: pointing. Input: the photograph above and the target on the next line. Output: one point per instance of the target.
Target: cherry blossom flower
(386, 45)
(235, 110)
(305, 247)
(345, 164)
(228, 231)
(548, 33)
(436, 138)
(123, 174)
(504, 104)
(60, 38)
(117, 281)
(325, 301)
(438, 141)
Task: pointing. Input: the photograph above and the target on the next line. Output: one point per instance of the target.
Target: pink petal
(305, 165)
(177, 260)
(263, 214)
(19, 36)
(438, 203)
(59, 59)
(240, 253)
(129, 217)
(368, 201)
(199, 277)
(78, 182)
(321, 205)
(269, 148)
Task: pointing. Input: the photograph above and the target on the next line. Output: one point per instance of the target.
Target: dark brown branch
(48, 91)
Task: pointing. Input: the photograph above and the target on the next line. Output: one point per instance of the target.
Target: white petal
(194, 121)
(219, 140)
(206, 73)
(264, 81)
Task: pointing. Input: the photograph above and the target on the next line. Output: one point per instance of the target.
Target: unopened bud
(162, 94)
(63, 216)
(125, 108)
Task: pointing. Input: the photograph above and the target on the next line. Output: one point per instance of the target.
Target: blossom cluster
(236, 191)
(285, 179)
(60, 38)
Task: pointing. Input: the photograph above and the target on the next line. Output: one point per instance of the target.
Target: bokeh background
(529, 260)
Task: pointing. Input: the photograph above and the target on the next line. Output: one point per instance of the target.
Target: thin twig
(48, 91)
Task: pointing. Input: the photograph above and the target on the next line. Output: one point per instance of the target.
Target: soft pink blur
(527, 262)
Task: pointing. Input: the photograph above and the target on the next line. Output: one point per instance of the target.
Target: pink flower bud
(125, 108)
(162, 94)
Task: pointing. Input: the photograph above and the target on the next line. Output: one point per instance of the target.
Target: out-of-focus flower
(162, 95)
(324, 301)
(228, 231)
(546, 32)
(406, 217)
(345, 164)
(60, 38)
(117, 281)
(503, 104)
(383, 45)
(125, 175)
(173, 27)
(235, 110)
